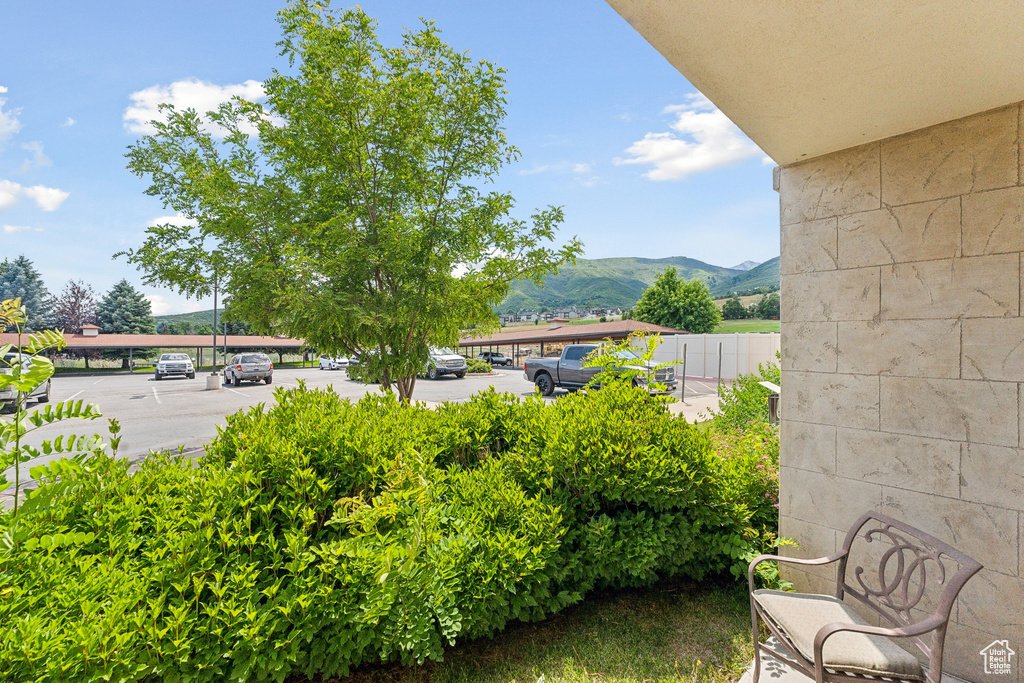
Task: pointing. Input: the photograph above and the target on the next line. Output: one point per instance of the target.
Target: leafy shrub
(746, 400)
(475, 365)
(320, 534)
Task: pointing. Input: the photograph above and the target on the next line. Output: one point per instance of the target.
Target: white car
(444, 361)
(175, 364)
(328, 363)
(9, 397)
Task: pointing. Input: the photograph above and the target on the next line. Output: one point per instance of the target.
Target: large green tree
(733, 309)
(352, 217)
(19, 279)
(124, 310)
(674, 302)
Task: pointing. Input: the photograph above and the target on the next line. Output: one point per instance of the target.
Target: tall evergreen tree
(124, 310)
(20, 279)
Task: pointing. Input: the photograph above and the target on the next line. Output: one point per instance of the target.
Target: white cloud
(537, 168)
(21, 228)
(68, 122)
(767, 161)
(704, 138)
(184, 94)
(161, 305)
(9, 123)
(9, 192)
(581, 168)
(48, 198)
(177, 219)
(38, 160)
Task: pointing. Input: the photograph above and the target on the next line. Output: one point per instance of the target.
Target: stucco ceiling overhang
(804, 78)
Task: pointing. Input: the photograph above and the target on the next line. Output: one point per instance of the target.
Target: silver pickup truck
(568, 371)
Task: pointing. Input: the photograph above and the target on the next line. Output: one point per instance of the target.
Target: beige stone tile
(897, 234)
(958, 157)
(824, 499)
(993, 475)
(993, 222)
(832, 185)
(898, 460)
(977, 287)
(809, 346)
(993, 348)
(809, 246)
(987, 534)
(960, 410)
(993, 602)
(821, 581)
(831, 296)
(814, 540)
(962, 654)
(913, 348)
(808, 446)
(831, 399)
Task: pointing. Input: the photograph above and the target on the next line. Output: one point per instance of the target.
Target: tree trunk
(86, 362)
(405, 387)
(124, 363)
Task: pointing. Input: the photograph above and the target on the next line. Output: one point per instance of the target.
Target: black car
(495, 358)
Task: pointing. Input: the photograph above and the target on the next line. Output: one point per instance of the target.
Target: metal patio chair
(828, 640)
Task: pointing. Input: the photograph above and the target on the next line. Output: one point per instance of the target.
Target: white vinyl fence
(740, 353)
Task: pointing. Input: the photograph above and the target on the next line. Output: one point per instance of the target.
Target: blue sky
(641, 163)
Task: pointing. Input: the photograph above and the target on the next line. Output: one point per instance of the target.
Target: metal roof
(167, 341)
(616, 329)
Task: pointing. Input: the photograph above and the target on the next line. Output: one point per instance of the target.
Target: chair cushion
(799, 616)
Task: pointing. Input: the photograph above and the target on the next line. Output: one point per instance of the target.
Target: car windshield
(444, 351)
(254, 358)
(627, 355)
(174, 356)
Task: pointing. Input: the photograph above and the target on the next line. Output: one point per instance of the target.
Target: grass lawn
(747, 326)
(674, 631)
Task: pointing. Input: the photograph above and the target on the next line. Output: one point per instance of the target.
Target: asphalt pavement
(178, 413)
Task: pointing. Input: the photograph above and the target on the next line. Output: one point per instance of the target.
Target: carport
(92, 340)
(557, 334)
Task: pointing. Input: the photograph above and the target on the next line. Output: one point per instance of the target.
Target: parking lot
(179, 413)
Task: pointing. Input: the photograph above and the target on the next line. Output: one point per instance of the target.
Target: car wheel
(268, 380)
(544, 384)
(460, 375)
(191, 375)
(431, 372)
(158, 376)
(237, 380)
(45, 398)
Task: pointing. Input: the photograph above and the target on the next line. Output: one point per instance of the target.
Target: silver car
(252, 367)
(9, 397)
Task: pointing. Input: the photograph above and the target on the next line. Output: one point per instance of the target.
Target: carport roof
(167, 341)
(616, 329)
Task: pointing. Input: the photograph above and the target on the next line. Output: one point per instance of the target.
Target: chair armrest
(924, 626)
(791, 560)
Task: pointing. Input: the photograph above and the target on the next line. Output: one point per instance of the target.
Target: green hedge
(322, 534)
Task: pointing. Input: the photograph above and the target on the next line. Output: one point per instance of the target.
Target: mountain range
(612, 282)
(620, 282)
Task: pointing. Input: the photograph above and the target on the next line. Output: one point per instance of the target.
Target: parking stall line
(72, 396)
(99, 380)
(156, 395)
(236, 391)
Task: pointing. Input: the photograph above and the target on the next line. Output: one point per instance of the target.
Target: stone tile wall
(903, 358)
